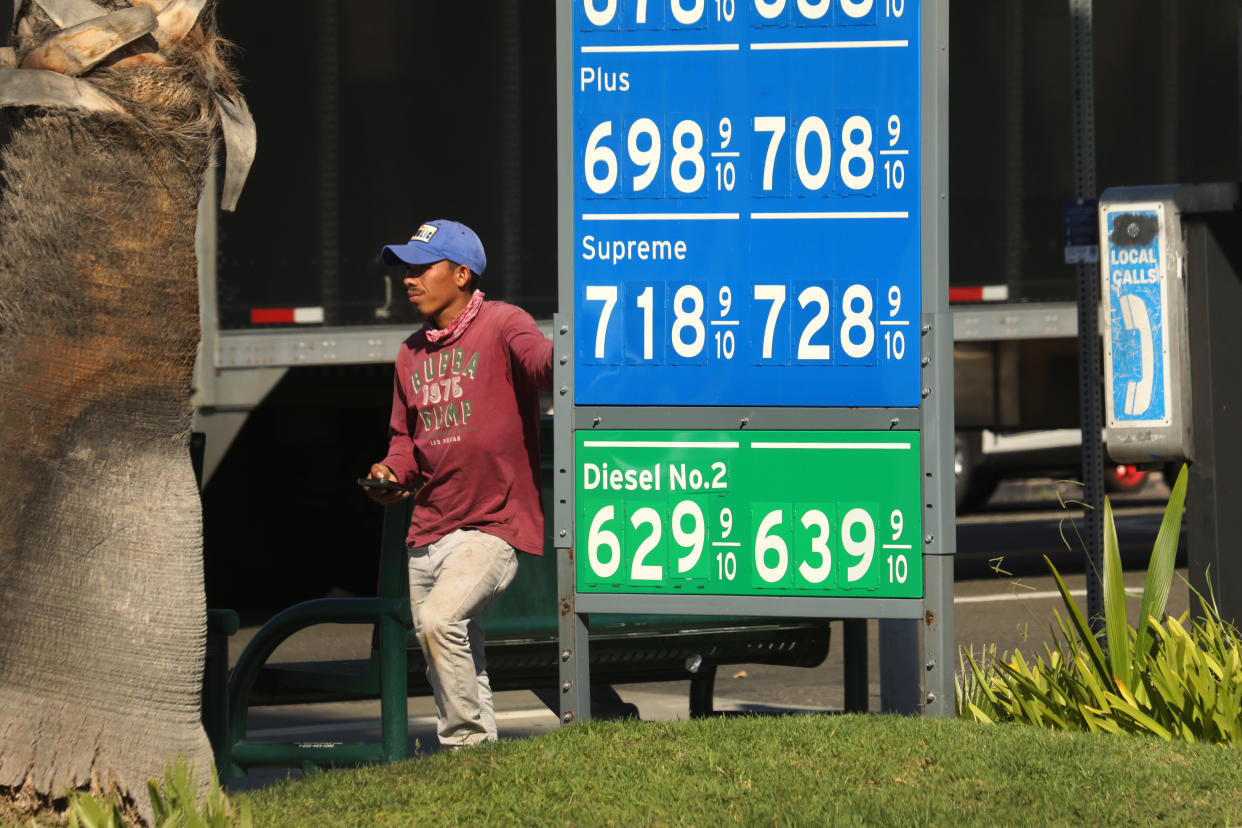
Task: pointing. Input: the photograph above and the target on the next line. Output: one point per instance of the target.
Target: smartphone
(379, 483)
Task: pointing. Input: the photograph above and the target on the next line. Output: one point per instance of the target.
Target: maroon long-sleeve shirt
(465, 419)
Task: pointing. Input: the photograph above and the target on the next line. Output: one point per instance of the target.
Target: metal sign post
(750, 191)
(1089, 371)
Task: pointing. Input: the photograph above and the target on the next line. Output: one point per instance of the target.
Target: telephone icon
(1135, 315)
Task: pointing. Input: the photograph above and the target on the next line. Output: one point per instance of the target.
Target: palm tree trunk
(102, 608)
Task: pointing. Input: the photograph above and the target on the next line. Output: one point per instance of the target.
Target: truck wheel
(1123, 477)
(973, 484)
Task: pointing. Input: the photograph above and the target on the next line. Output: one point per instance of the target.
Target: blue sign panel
(747, 202)
(1138, 348)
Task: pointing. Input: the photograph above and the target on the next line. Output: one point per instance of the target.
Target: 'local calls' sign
(746, 202)
(1136, 297)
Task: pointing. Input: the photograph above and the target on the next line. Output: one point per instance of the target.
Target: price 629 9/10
(799, 547)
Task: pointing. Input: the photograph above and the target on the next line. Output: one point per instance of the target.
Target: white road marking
(1020, 595)
(374, 723)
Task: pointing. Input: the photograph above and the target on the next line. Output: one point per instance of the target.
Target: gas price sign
(746, 202)
(794, 513)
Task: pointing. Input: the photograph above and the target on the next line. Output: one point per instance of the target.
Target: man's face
(435, 288)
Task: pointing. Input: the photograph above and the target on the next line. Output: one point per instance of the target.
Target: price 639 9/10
(795, 546)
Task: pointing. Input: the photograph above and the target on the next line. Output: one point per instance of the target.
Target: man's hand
(385, 496)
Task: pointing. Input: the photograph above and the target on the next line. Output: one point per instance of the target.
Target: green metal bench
(522, 653)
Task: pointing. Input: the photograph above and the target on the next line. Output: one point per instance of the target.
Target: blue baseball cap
(436, 240)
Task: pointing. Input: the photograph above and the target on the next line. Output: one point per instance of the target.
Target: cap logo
(424, 233)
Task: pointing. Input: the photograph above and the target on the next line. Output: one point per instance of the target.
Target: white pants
(451, 582)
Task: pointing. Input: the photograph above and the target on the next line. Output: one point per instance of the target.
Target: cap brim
(413, 253)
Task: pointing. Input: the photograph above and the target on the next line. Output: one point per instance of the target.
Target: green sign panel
(809, 513)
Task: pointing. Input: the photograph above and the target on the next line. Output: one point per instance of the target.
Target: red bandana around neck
(443, 336)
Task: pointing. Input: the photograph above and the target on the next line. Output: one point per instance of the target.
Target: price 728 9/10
(799, 547)
(687, 165)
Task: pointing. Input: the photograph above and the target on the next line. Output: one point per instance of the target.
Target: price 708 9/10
(793, 546)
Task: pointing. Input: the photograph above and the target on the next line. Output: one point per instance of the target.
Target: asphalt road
(1004, 599)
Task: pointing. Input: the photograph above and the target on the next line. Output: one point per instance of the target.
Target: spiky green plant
(93, 811)
(1160, 678)
(175, 804)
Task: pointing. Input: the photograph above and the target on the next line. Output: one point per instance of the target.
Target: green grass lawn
(796, 770)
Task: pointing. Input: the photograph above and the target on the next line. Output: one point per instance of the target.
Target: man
(465, 422)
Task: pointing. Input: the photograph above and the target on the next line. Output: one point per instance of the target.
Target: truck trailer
(373, 118)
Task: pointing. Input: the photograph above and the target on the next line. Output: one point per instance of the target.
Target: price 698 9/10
(812, 547)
